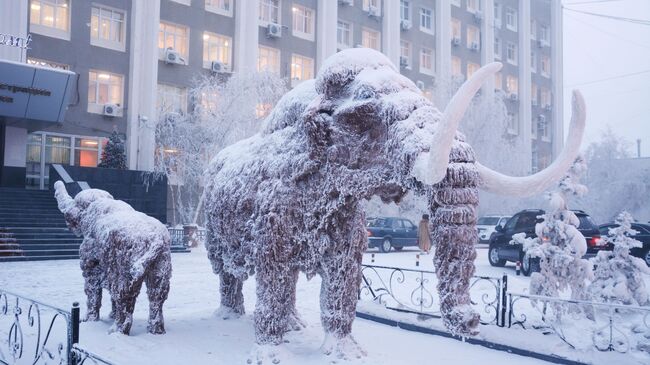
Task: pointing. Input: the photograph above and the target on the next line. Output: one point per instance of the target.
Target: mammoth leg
(125, 304)
(232, 299)
(93, 288)
(293, 321)
(157, 280)
(453, 204)
(274, 286)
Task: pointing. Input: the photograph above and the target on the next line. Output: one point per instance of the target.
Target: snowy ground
(196, 336)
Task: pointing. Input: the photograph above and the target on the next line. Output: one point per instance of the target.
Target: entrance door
(42, 151)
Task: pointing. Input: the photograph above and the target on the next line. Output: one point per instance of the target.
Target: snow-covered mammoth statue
(287, 199)
(121, 248)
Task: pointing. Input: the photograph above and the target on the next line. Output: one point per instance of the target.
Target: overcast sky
(598, 48)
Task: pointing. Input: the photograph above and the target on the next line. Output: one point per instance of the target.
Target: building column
(443, 39)
(390, 31)
(525, 80)
(14, 22)
(143, 84)
(326, 29)
(557, 75)
(246, 35)
(487, 43)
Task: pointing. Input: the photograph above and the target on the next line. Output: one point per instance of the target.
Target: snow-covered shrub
(618, 277)
(113, 154)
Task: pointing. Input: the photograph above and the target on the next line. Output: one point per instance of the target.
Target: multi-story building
(135, 58)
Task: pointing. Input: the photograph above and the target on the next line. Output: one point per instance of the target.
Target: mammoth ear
(318, 126)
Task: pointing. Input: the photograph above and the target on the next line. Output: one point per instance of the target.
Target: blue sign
(33, 92)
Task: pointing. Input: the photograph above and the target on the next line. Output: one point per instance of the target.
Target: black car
(391, 232)
(502, 251)
(643, 236)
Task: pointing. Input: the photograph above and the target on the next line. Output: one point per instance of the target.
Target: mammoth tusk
(498, 183)
(432, 166)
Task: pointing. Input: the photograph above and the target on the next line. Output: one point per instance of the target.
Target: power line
(609, 78)
(608, 32)
(629, 20)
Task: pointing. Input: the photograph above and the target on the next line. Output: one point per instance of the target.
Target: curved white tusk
(496, 182)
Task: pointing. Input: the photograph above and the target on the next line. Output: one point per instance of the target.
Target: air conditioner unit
(541, 118)
(218, 67)
(455, 41)
(111, 110)
(345, 2)
(405, 24)
(373, 11)
(420, 85)
(172, 56)
(514, 97)
(474, 46)
(274, 30)
(478, 16)
(403, 62)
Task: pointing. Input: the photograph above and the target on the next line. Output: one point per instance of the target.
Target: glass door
(34, 159)
(57, 151)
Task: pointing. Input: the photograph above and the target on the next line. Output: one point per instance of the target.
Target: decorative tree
(113, 155)
(559, 244)
(618, 277)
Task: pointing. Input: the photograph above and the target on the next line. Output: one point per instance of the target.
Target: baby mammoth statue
(121, 248)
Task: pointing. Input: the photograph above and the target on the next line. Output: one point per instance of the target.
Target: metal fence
(179, 239)
(37, 333)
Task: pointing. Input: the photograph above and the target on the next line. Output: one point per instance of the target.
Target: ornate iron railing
(413, 291)
(583, 324)
(82, 357)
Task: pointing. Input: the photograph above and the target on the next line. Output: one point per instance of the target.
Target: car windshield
(488, 221)
(586, 222)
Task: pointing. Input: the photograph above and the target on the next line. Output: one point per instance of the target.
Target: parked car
(502, 250)
(391, 232)
(643, 236)
(486, 226)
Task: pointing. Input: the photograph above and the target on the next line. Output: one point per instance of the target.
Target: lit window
(303, 22)
(344, 34)
(174, 37)
(302, 68)
(546, 66)
(455, 29)
(533, 94)
(511, 19)
(216, 48)
(270, 11)
(86, 151)
(426, 61)
(370, 39)
(511, 53)
(50, 64)
(405, 53)
(405, 10)
(471, 68)
(473, 37)
(426, 20)
(223, 7)
(545, 97)
(50, 18)
(171, 99)
(512, 85)
(371, 4)
(497, 48)
(104, 88)
(456, 69)
(107, 27)
(513, 123)
(498, 81)
(545, 35)
(533, 29)
(533, 61)
(268, 59)
(473, 6)
(544, 130)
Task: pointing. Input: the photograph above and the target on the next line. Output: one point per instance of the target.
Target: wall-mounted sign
(13, 41)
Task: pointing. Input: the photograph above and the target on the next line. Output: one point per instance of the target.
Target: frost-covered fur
(121, 249)
(618, 276)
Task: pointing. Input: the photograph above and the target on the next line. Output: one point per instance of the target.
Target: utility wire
(608, 32)
(629, 20)
(608, 78)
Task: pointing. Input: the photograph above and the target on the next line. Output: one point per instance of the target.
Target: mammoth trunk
(64, 201)
(453, 203)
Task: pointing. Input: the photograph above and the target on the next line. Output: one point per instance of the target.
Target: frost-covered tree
(559, 244)
(114, 155)
(618, 277)
(223, 111)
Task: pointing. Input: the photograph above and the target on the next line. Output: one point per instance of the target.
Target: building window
(546, 66)
(405, 10)
(171, 99)
(497, 15)
(473, 38)
(344, 34)
(533, 94)
(184, 2)
(405, 54)
(270, 11)
(302, 68)
(511, 53)
(44, 63)
(374, 4)
(545, 97)
(534, 158)
(471, 68)
(533, 127)
(268, 59)
(473, 6)
(511, 19)
(512, 85)
(426, 61)
(455, 30)
(533, 61)
(544, 130)
(498, 81)
(513, 123)
(533, 29)
(104, 88)
(497, 48)
(50, 18)
(426, 20)
(545, 35)
(223, 7)
(216, 48)
(303, 22)
(370, 39)
(455, 2)
(107, 28)
(86, 151)
(171, 36)
(456, 69)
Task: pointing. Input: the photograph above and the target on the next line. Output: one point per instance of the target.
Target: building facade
(137, 59)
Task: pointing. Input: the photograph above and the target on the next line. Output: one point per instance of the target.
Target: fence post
(504, 291)
(74, 333)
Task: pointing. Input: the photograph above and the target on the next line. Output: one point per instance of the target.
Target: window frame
(405, 10)
(368, 31)
(409, 54)
(296, 80)
(365, 5)
(350, 34)
(161, 51)
(497, 13)
(456, 24)
(47, 30)
(476, 31)
(219, 9)
(432, 61)
(431, 17)
(497, 48)
(183, 92)
(228, 48)
(545, 71)
(97, 108)
(308, 18)
(269, 4)
(514, 15)
(271, 51)
(513, 61)
(101, 42)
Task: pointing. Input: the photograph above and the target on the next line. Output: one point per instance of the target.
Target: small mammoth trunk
(453, 203)
(63, 199)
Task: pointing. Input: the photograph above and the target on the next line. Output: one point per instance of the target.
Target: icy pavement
(196, 336)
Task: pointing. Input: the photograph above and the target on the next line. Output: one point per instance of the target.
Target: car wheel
(493, 257)
(386, 245)
(646, 256)
(529, 265)
(398, 248)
